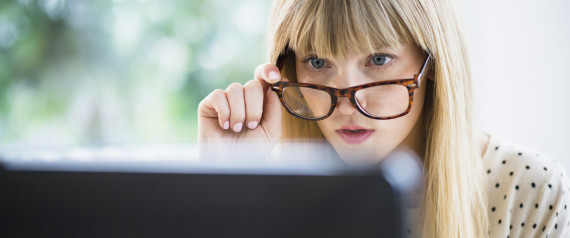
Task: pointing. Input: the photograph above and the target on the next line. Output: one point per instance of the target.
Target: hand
(241, 114)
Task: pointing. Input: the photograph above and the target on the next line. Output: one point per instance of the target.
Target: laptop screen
(193, 198)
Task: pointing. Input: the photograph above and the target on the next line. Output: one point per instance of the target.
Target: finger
(254, 95)
(269, 73)
(237, 106)
(216, 105)
(272, 112)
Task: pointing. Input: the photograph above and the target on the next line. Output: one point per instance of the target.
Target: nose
(346, 77)
(344, 106)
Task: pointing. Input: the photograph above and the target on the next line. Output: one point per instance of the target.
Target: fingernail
(237, 127)
(252, 125)
(226, 125)
(274, 76)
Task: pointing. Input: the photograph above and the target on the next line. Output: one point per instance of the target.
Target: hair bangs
(338, 28)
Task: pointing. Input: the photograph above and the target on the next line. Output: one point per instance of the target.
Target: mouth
(354, 135)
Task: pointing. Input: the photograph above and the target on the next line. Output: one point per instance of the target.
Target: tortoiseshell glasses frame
(410, 83)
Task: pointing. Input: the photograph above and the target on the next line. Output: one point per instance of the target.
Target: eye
(317, 63)
(380, 60)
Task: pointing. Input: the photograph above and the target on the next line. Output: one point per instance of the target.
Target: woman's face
(355, 137)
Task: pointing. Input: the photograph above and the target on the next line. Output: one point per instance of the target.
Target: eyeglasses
(382, 100)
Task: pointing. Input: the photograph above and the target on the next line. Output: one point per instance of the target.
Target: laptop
(177, 198)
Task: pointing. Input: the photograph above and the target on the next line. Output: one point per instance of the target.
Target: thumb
(272, 114)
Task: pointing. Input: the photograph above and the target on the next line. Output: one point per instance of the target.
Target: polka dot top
(528, 192)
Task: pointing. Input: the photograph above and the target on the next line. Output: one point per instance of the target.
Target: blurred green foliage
(103, 71)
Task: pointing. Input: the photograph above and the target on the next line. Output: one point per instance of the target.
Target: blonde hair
(454, 194)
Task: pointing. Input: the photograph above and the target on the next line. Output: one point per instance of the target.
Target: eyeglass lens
(378, 101)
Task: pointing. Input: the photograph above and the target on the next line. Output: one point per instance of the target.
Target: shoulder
(527, 191)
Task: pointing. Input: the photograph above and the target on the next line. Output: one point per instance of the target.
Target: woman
(409, 62)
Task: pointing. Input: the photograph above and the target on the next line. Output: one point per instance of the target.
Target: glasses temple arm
(420, 74)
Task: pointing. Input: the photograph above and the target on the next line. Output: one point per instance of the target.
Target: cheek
(397, 130)
(400, 128)
(326, 127)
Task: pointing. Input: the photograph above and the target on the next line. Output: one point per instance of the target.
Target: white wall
(521, 67)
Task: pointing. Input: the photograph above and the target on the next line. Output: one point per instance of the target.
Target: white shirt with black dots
(528, 193)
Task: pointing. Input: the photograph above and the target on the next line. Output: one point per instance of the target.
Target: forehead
(339, 28)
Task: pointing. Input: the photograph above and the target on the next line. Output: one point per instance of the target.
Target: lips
(354, 134)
